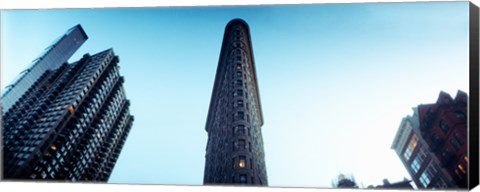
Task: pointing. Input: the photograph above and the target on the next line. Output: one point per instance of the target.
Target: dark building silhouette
(235, 152)
(51, 58)
(344, 181)
(70, 124)
(405, 184)
(432, 144)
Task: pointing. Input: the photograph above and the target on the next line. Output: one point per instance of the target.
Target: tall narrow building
(70, 124)
(51, 58)
(235, 152)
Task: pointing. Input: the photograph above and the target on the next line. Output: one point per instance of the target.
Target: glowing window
(411, 146)
(461, 168)
(242, 163)
(71, 109)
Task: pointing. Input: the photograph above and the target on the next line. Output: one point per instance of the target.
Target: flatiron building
(235, 151)
(70, 124)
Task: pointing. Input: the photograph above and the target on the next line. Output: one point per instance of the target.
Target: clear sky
(335, 80)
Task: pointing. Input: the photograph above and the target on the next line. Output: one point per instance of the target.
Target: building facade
(432, 143)
(51, 58)
(70, 124)
(235, 151)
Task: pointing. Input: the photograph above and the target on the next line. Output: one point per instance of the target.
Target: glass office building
(51, 58)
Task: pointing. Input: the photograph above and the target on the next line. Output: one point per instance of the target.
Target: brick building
(432, 143)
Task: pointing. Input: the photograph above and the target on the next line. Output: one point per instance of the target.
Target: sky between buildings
(335, 80)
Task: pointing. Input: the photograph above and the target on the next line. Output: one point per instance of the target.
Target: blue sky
(335, 80)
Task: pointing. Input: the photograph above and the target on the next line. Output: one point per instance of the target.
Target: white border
(48, 4)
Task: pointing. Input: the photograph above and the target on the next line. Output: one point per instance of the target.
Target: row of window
(95, 143)
(73, 136)
(428, 174)
(411, 147)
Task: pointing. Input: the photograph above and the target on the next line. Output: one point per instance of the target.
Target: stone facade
(235, 151)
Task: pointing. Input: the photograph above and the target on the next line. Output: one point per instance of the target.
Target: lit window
(71, 109)
(465, 158)
(461, 168)
(53, 147)
(411, 146)
(241, 164)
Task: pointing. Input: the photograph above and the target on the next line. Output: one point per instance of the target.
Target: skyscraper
(51, 58)
(432, 143)
(70, 124)
(235, 152)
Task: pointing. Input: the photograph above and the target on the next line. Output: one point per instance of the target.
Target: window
(443, 126)
(441, 183)
(238, 82)
(242, 162)
(243, 178)
(428, 174)
(424, 179)
(415, 165)
(461, 169)
(241, 129)
(53, 147)
(239, 103)
(242, 143)
(455, 144)
(460, 115)
(239, 115)
(411, 146)
(457, 138)
(239, 73)
(238, 92)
